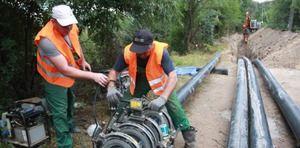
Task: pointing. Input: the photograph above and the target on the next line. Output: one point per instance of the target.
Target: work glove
(113, 95)
(157, 103)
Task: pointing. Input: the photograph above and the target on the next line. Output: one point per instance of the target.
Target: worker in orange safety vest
(246, 27)
(150, 68)
(59, 58)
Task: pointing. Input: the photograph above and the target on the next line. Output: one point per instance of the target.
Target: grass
(195, 58)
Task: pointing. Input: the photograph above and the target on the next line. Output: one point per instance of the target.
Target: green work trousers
(173, 105)
(61, 101)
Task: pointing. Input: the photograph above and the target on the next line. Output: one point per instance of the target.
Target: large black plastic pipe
(259, 128)
(288, 107)
(238, 135)
(189, 87)
(218, 70)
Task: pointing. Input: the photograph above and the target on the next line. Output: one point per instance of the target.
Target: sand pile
(276, 48)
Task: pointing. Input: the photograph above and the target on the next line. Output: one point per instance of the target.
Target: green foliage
(278, 19)
(4, 103)
(107, 26)
(7, 145)
(1, 111)
(178, 62)
(246, 6)
(207, 47)
(90, 49)
(212, 48)
(186, 28)
(230, 16)
(207, 34)
(200, 22)
(296, 27)
(8, 59)
(18, 23)
(279, 14)
(175, 39)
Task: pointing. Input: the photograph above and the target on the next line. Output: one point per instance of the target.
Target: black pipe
(188, 88)
(259, 128)
(288, 107)
(217, 70)
(238, 135)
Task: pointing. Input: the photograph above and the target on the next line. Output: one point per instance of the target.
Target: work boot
(189, 137)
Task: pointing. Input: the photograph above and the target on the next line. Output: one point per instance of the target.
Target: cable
(118, 83)
(94, 110)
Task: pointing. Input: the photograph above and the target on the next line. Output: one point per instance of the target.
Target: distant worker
(247, 27)
(248, 21)
(59, 58)
(150, 68)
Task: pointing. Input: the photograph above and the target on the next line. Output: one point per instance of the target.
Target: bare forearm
(76, 73)
(112, 76)
(61, 64)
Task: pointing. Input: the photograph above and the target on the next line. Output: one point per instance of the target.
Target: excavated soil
(209, 109)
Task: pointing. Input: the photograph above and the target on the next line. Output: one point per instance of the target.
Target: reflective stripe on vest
(45, 67)
(155, 75)
(155, 81)
(58, 74)
(132, 81)
(158, 80)
(49, 62)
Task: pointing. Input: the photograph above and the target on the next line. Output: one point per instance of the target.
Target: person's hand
(86, 66)
(113, 95)
(157, 103)
(100, 78)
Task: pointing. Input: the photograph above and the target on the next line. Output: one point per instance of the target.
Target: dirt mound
(275, 48)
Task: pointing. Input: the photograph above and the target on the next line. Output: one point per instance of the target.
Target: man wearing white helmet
(59, 58)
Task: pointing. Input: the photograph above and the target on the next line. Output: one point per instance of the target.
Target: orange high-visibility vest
(247, 24)
(155, 74)
(45, 67)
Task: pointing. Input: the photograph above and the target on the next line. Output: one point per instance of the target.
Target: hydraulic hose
(288, 107)
(238, 135)
(189, 87)
(259, 128)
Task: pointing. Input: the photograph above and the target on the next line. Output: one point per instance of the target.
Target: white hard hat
(91, 130)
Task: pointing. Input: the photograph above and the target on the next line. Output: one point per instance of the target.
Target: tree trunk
(290, 25)
(192, 6)
(190, 25)
(29, 73)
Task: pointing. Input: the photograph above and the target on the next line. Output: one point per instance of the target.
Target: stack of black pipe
(288, 107)
(249, 126)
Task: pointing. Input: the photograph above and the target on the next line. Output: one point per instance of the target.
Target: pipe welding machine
(136, 127)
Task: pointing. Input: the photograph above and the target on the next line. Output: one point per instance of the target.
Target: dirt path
(209, 109)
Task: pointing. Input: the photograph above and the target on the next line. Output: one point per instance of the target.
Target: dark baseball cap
(141, 41)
